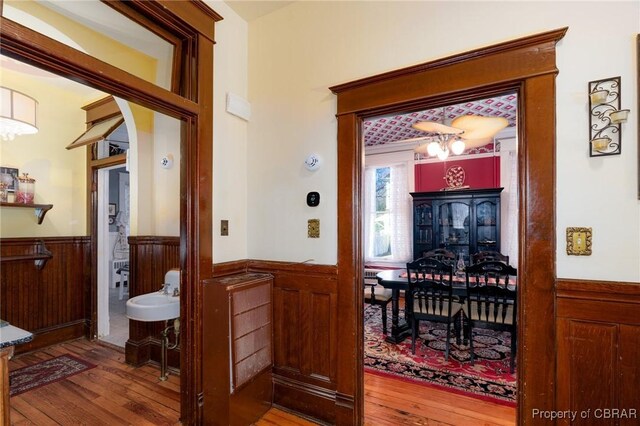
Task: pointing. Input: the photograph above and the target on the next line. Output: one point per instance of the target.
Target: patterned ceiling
(381, 130)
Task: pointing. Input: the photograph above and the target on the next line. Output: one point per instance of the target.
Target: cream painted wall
(60, 174)
(231, 151)
(166, 182)
(297, 52)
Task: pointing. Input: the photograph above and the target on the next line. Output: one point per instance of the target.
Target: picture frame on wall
(9, 175)
(112, 209)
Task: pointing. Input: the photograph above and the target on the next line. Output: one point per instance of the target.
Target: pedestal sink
(154, 306)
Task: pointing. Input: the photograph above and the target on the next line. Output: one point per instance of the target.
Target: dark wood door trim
(192, 24)
(526, 66)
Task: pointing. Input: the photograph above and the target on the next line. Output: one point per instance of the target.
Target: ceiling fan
(464, 132)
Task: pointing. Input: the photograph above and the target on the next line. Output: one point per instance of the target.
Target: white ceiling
(250, 10)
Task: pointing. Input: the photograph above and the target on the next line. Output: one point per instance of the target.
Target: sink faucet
(176, 292)
(165, 288)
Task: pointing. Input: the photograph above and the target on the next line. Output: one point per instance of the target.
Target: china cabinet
(462, 221)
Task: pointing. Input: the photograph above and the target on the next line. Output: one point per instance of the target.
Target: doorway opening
(413, 205)
(476, 76)
(189, 29)
(113, 283)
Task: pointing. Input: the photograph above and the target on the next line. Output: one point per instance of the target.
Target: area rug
(488, 379)
(45, 372)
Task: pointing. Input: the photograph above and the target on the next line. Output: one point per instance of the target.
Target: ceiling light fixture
(17, 114)
(464, 132)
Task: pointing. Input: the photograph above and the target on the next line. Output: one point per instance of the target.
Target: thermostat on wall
(313, 199)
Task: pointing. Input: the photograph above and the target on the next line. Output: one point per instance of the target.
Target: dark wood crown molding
(552, 36)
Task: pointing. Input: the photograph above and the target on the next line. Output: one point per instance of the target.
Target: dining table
(396, 280)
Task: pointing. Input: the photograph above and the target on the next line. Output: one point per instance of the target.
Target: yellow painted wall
(60, 174)
(154, 192)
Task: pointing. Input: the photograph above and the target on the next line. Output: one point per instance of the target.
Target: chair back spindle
(429, 295)
(492, 299)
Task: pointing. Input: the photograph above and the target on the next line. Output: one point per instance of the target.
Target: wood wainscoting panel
(598, 367)
(150, 257)
(50, 302)
(305, 322)
(322, 335)
(286, 339)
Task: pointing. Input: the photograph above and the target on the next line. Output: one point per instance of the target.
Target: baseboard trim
(317, 403)
(54, 335)
(229, 268)
(137, 352)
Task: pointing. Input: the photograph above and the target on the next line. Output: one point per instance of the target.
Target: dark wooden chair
(375, 294)
(429, 296)
(443, 255)
(492, 300)
(483, 256)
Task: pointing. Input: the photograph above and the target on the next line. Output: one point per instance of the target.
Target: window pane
(382, 234)
(96, 29)
(382, 188)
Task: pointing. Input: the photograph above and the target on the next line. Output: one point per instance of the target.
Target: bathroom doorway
(188, 29)
(113, 254)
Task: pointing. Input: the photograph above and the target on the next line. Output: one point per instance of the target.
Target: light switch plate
(579, 241)
(224, 228)
(313, 228)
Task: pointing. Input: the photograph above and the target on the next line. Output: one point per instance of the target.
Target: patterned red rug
(488, 379)
(34, 376)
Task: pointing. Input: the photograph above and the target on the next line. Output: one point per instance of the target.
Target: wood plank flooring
(395, 402)
(114, 393)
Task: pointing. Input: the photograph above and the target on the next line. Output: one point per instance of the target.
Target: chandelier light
(17, 114)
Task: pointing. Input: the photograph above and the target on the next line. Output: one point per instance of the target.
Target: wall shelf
(40, 209)
(40, 258)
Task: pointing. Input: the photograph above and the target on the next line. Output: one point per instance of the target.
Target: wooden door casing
(189, 25)
(526, 66)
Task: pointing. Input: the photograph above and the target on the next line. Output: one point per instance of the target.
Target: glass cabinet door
(454, 221)
(423, 228)
(486, 226)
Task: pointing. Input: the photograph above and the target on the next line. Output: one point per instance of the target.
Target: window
(382, 232)
(387, 214)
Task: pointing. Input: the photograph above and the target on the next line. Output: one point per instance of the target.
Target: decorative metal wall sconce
(605, 117)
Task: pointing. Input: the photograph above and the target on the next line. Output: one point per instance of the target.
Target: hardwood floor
(114, 393)
(390, 401)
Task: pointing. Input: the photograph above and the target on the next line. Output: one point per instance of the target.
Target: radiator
(115, 265)
(370, 275)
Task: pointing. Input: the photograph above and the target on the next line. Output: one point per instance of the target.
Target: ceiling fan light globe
(433, 149)
(443, 154)
(457, 147)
